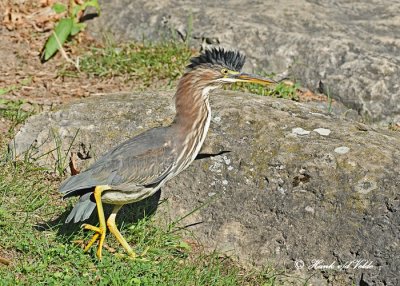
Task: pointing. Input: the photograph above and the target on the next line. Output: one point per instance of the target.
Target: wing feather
(143, 160)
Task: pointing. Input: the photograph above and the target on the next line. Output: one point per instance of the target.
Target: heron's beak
(252, 78)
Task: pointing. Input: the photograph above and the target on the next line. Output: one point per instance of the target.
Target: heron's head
(217, 66)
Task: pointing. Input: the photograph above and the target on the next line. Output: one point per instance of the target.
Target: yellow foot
(100, 234)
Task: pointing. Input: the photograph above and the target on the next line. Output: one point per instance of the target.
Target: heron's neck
(191, 103)
(193, 116)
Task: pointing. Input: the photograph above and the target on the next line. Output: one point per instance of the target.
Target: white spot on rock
(281, 190)
(322, 131)
(342, 150)
(224, 182)
(300, 131)
(216, 119)
(310, 209)
(211, 194)
(216, 167)
(352, 163)
(227, 160)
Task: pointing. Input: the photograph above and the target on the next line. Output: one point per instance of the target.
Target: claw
(91, 227)
(100, 234)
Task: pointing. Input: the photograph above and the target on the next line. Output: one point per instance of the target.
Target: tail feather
(83, 208)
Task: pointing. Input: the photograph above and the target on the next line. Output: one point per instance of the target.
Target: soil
(25, 26)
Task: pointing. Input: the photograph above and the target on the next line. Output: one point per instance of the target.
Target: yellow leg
(114, 230)
(100, 232)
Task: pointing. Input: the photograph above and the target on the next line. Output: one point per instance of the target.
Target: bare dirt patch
(25, 29)
(4, 126)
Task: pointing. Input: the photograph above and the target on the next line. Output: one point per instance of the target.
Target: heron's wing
(146, 168)
(137, 162)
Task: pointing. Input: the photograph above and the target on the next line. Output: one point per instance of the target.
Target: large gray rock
(351, 46)
(297, 184)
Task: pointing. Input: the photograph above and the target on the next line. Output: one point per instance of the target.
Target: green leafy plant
(68, 26)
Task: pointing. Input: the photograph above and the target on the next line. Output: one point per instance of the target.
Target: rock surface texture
(298, 185)
(351, 46)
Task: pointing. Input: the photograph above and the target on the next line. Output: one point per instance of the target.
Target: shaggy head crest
(233, 60)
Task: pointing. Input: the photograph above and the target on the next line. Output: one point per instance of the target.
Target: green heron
(140, 166)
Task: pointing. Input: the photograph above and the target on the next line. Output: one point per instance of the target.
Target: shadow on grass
(129, 214)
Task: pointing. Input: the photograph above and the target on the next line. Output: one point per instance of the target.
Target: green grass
(145, 62)
(12, 110)
(7, 89)
(280, 90)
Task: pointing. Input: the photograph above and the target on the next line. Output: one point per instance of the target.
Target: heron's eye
(224, 71)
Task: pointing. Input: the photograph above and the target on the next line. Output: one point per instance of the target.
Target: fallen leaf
(5, 261)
